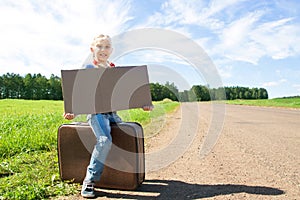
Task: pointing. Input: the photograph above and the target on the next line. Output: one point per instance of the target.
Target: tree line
(205, 93)
(37, 87)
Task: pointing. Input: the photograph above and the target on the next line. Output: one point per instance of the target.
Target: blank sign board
(101, 90)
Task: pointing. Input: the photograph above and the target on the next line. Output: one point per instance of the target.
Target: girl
(101, 49)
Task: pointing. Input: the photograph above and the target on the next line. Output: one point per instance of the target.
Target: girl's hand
(148, 108)
(69, 116)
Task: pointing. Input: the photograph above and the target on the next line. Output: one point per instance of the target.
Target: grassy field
(288, 102)
(28, 146)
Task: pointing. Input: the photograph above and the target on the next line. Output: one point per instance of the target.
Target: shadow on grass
(171, 189)
(5, 174)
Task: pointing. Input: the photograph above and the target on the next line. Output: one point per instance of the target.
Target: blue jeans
(100, 124)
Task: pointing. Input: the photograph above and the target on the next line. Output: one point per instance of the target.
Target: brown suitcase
(125, 164)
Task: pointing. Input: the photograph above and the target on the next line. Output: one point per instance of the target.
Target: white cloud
(234, 42)
(45, 36)
(225, 72)
(217, 6)
(240, 30)
(153, 56)
(176, 13)
(192, 12)
(249, 39)
(278, 38)
(244, 40)
(297, 87)
(274, 83)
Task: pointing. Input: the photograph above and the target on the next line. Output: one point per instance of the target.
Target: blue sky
(252, 43)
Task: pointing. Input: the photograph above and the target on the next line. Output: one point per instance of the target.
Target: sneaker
(87, 190)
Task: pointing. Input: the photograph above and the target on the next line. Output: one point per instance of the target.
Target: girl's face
(102, 50)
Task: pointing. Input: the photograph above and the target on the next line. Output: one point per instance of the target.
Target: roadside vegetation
(28, 146)
(285, 102)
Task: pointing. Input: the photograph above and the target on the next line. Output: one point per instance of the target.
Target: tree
(18, 86)
(1, 88)
(55, 90)
(184, 96)
(197, 91)
(254, 93)
(156, 91)
(262, 93)
(28, 86)
(11, 86)
(201, 92)
(41, 86)
(171, 92)
(205, 94)
(160, 92)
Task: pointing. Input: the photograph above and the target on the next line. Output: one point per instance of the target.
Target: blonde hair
(100, 38)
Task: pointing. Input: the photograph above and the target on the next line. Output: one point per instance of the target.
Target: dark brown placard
(102, 90)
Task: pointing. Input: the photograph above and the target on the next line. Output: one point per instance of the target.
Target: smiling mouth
(103, 55)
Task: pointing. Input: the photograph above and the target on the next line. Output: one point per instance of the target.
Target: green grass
(32, 175)
(287, 102)
(28, 146)
(138, 115)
